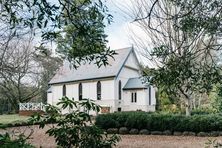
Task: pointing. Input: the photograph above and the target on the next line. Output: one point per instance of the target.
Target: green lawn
(13, 118)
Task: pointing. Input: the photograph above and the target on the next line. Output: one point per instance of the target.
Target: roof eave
(135, 88)
(62, 82)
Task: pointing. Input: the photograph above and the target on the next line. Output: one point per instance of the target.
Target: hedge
(160, 122)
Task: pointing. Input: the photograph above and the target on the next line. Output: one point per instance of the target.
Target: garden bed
(39, 138)
(160, 124)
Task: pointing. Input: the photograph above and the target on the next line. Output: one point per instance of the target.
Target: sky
(122, 29)
(119, 30)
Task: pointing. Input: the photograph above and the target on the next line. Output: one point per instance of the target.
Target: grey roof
(49, 90)
(135, 83)
(91, 71)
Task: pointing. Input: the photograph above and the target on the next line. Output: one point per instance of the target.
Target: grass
(12, 118)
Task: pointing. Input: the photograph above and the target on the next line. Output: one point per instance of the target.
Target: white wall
(109, 91)
(56, 93)
(128, 71)
(153, 96)
(142, 101)
(88, 90)
(49, 98)
(132, 61)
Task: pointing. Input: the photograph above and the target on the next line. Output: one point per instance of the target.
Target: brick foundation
(30, 112)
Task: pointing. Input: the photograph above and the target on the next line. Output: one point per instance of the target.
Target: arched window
(149, 95)
(99, 90)
(120, 90)
(80, 91)
(64, 90)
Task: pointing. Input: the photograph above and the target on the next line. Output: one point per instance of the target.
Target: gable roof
(135, 83)
(91, 71)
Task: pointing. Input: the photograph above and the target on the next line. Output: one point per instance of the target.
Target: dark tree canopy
(76, 25)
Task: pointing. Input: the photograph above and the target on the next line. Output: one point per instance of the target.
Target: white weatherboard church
(116, 87)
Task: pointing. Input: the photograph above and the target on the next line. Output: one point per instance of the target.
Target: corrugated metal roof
(91, 71)
(135, 83)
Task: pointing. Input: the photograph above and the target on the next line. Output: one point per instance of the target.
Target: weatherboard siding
(124, 67)
(88, 90)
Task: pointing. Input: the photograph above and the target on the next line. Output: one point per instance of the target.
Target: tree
(18, 74)
(185, 44)
(48, 65)
(216, 99)
(77, 25)
(75, 128)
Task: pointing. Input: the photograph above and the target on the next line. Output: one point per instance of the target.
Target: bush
(144, 132)
(202, 111)
(112, 131)
(123, 130)
(134, 131)
(75, 128)
(161, 122)
(6, 141)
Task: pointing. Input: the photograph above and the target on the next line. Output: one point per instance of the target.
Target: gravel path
(128, 141)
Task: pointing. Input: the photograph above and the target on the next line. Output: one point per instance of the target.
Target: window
(120, 90)
(64, 90)
(99, 90)
(119, 109)
(133, 97)
(149, 95)
(80, 91)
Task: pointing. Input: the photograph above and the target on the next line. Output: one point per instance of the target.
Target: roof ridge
(122, 48)
(90, 70)
(131, 49)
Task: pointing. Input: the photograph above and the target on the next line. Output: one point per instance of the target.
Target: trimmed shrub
(177, 133)
(191, 134)
(144, 132)
(167, 132)
(112, 130)
(202, 134)
(161, 122)
(134, 131)
(186, 133)
(156, 133)
(214, 133)
(123, 130)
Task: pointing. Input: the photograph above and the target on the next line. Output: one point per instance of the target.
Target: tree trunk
(188, 107)
(188, 102)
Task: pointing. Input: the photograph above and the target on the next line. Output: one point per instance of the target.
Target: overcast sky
(118, 30)
(121, 30)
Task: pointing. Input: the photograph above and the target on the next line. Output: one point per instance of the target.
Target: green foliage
(161, 122)
(217, 99)
(50, 65)
(187, 46)
(75, 128)
(213, 143)
(20, 141)
(76, 25)
(182, 72)
(203, 111)
(82, 38)
(198, 16)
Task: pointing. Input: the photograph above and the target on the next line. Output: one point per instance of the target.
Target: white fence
(31, 106)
